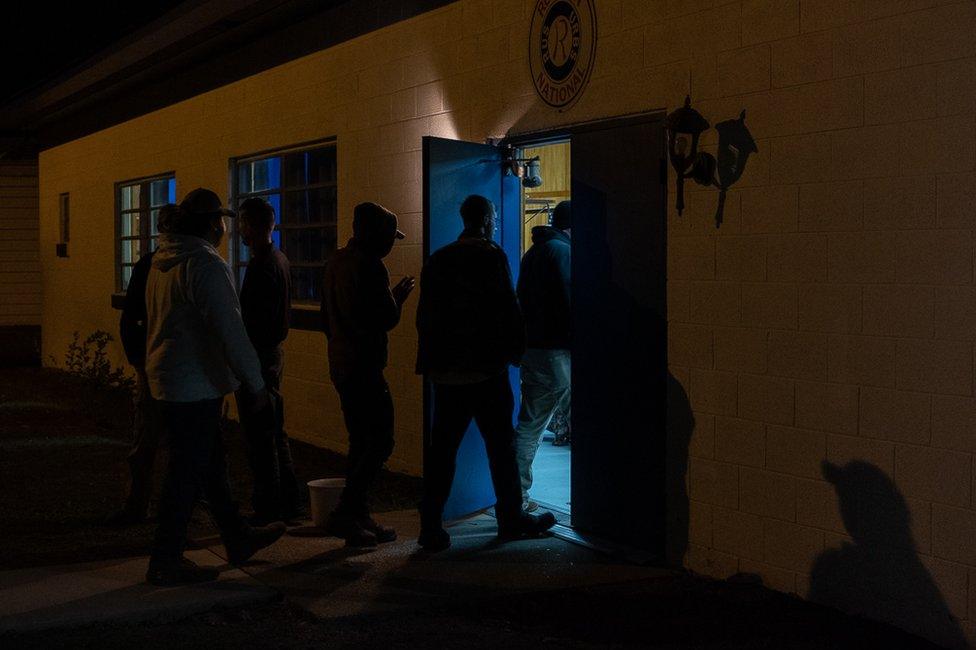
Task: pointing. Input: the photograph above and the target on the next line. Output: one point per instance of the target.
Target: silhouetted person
(879, 575)
(197, 351)
(145, 419)
(265, 309)
(470, 331)
(544, 294)
(358, 309)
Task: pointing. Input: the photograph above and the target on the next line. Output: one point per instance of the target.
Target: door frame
(552, 135)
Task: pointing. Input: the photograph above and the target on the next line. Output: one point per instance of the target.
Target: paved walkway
(316, 573)
(115, 591)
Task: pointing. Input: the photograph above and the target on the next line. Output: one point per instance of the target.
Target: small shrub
(87, 359)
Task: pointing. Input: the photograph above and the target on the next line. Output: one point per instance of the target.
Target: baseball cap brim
(400, 235)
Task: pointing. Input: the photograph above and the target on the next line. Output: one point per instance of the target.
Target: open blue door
(453, 170)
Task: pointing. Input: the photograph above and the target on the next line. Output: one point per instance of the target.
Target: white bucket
(324, 495)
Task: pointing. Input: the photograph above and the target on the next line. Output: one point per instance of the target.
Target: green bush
(88, 360)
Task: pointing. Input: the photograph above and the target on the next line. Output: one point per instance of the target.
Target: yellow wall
(831, 317)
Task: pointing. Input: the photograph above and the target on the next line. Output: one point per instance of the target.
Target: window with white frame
(300, 184)
(138, 203)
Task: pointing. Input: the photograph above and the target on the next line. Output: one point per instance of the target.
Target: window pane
(129, 198)
(259, 175)
(296, 169)
(131, 251)
(159, 192)
(153, 243)
(129, 226)
(172, 190)
(321, 165)
(305, 283)
(309, 206)
(309, 245)
(126, 276)
(154, 222)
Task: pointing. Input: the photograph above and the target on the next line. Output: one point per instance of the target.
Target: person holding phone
(358, 309)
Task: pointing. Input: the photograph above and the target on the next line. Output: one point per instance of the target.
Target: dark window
(301, 186)
(138, 213)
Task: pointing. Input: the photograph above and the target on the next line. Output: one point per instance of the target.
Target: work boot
(434, 539)
(256, 538)
(525, 526)
(351, 530)
(383, 533)
(181, 571)
(530, 506)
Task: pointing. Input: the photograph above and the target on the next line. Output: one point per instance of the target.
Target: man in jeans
(470, 332)
(543, 291)
(358, 309)
(197, 351)
(265, 308)
(145, 419)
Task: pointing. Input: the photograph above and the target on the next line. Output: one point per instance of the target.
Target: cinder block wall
(20, 271)
(831, 318)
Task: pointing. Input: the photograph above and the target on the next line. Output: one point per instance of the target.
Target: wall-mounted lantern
(685, 126)
(528, 169)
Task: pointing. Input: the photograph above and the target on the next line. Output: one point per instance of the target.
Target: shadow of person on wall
(680, 425)
(879, 573)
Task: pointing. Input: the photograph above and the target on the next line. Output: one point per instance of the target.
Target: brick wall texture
(831, 318)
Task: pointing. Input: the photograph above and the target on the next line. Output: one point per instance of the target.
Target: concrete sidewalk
(115, 591)
(322, 576)
(316, 573)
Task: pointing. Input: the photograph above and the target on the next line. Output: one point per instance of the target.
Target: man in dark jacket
(543, 291)
(265, 309)
(470, 332)
(146, 428)
(358, 309)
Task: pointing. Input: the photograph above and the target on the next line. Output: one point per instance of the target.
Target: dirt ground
(63, 471)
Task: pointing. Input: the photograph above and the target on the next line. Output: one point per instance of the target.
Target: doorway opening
(552, 465)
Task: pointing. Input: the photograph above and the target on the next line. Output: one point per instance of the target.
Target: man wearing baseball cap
(358, 309)
(197, 351)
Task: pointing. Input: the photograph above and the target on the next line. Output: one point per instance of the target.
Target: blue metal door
(453, 170)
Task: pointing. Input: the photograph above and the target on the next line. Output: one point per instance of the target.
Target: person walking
(358, 309)
(470, 331)
(544, 294)
(197, 351)
(265, 309)
(145, 418)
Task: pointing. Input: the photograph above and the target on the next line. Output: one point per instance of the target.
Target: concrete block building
(821, 410)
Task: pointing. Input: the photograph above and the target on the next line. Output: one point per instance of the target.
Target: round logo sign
(562, 48)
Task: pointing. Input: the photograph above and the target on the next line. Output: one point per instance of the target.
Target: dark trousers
(367, 408)
(197, 467)
(490, 403)
(146, 433)
(275, 493)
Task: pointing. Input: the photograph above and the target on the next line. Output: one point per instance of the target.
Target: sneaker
(526, 526)
(530, 506)
(350, 530)
(383, 533)
(256, 539)
(168, 573)
(434, 540)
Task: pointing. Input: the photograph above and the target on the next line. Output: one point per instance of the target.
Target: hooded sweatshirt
(544, 289)
(196, 344)
(358, 310)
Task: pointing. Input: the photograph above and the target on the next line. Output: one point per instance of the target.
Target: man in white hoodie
(197, 351)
